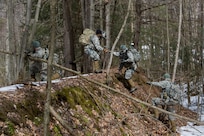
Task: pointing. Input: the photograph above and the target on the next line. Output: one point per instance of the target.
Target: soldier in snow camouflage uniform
(169, 97)
(127, 60)
(94, 48)
(38, 67)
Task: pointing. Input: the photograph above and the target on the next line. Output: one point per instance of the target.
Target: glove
(105, 50)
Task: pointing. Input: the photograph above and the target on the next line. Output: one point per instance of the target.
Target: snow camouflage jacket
(41, 53)
(126, 59)
(170, 92)
(135, 53)
(95, 43)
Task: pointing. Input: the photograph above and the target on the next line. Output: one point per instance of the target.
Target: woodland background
(168, 33)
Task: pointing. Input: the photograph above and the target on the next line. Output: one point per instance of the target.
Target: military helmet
(166, 75)
(35, 44)
(98, 31)
(123, 47)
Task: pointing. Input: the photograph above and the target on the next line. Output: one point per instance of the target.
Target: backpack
(123, 55)
(135, 53)
(173, 92)
(84, 38)
(45, 53)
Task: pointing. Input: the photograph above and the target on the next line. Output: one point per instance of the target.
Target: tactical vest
(123, 55)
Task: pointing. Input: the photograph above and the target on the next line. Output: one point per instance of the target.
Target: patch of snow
(11, 87)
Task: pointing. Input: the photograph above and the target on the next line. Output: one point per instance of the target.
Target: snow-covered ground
(189, 130)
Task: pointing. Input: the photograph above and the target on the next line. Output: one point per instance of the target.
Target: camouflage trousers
(92, 53)
(171, 108)
(39, 71)
(129, 73)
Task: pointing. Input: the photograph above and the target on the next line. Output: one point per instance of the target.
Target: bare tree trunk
(202, 45)
(24, 61)
(86, 63)
(132, 20)
(69, 53)
(11, 70)
(35, 22)
(101, 14)
(83, 13)
(179, 40)
(108, 35)
(49, 69)
(92, 11)
(167, 35)
(138, 22)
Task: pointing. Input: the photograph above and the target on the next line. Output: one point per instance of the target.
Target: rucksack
(135, 53)
(123, 55)
(173, 92)
(84, 38)
(45, 53)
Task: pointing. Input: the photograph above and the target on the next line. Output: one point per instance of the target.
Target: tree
(69, 53)
(87, 14)
(24, 40)
(138, 14)
(179, 40)
(11, 65)
(108, 32)
(49, 68)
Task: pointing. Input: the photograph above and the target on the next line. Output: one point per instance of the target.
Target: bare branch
(10, 53)
(63, 123)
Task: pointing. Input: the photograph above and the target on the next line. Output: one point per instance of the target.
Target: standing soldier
(93, 49)
(38, 67)
(127, 60)
(169, 98)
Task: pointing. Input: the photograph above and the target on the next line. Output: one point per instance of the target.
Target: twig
(57, 116)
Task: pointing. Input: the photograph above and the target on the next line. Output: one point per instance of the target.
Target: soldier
(38, 67)
(127, 60)
(169, 98)
(93, 49)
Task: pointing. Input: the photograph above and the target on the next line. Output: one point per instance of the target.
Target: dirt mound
(87, 108)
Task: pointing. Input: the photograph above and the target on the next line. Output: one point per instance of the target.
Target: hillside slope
(87, 109)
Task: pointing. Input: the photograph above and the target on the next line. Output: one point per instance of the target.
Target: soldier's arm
(96, 42)
(116, 53)
(161, 84)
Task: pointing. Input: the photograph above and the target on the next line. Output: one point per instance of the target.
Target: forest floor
(87, 109)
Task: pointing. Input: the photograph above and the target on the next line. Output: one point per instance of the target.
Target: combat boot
(156, 113)
(96, 67)
(172, 125)
(132, 86)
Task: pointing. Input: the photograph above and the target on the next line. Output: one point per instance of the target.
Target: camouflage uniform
(37, 66)
(127, 61)
(93, 50)
(168, 98)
